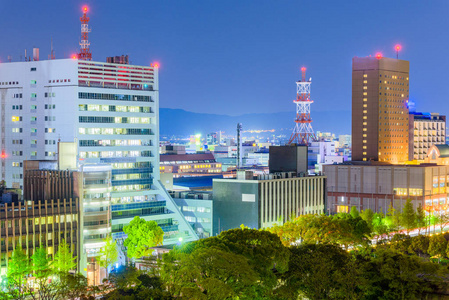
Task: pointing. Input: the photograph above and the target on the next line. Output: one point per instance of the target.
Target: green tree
(395, 275)
(41, 267)
(368, 216)
(392, 219)
(437, 246)
(142, 235)
(379, 225)
(442, 219)
(109, 253)
(408, 217)
(420, 218)
(208, 273)
(354, 212)
(73, 287)
(64, 260)
(18, 269)
(314, 272)
(419, 244)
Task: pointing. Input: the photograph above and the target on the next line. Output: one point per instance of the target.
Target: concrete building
(380, 115)
(110, 110)
(425, 130)
(377, 186)
(197, 208)
(320, 153)
(344, 140)
(269, 199)
(189, 164)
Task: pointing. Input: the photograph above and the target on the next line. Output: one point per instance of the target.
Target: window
(33, 69)
(33, 81)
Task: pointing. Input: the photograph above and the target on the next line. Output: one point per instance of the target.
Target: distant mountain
(181, 122)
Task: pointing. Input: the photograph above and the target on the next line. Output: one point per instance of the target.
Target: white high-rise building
(111, 111)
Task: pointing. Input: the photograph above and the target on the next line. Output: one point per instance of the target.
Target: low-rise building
(377, 186)
(189, 164)
(265, 200)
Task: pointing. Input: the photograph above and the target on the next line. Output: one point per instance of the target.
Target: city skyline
(243, 47)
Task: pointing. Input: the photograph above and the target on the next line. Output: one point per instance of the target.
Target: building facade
(380, 115)
(110, 110)
(378, 186)
(425, 130)
(268, 200)
(29, 224)
(189, 164)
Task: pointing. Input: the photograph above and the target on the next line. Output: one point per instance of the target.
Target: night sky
(237, 57)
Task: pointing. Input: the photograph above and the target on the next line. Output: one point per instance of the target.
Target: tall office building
(380, 125)
(111, 111)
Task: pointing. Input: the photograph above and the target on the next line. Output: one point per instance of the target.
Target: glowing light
(398, 47)
(378, 55)
(156, 65)
(3, 155)
(85, 9)
(74, 56)
(303, 69)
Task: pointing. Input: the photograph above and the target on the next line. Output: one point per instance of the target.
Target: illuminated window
(365, 117)
(364, 129)
(366, 75)
(364, 141)
(365, 81)
(365, 111)
(15, 118)
(365, 105)
(365, 135)
(343, 208)
(365, 87)
(365, 123)
(364, 153)
(364, 159)
(364, 147)
(365, 94)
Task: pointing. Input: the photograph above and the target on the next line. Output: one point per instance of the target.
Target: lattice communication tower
(84, 53)
(303, 132)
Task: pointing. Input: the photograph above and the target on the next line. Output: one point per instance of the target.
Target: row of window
(104, 154)
(33, 130)
(132, 120)
(119, 131)
(9, 83)
(96, 143)
(114, 108)
(121, 97)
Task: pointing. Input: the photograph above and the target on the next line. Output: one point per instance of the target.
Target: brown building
(377, 186)
(29, 224)
(380, 125)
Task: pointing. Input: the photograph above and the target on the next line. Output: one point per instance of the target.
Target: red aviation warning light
(3, 155)
(156, 65)
(397, 48)
(85, 53)
(378, 55)
(303, 132)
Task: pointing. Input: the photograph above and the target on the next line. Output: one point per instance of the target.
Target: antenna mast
(84, 53)
(303, 132)
(52, 52)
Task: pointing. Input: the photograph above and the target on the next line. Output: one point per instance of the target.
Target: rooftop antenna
(239, 146)
(52, 52)
(25, 54)
(84, 53)
(397, 48)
